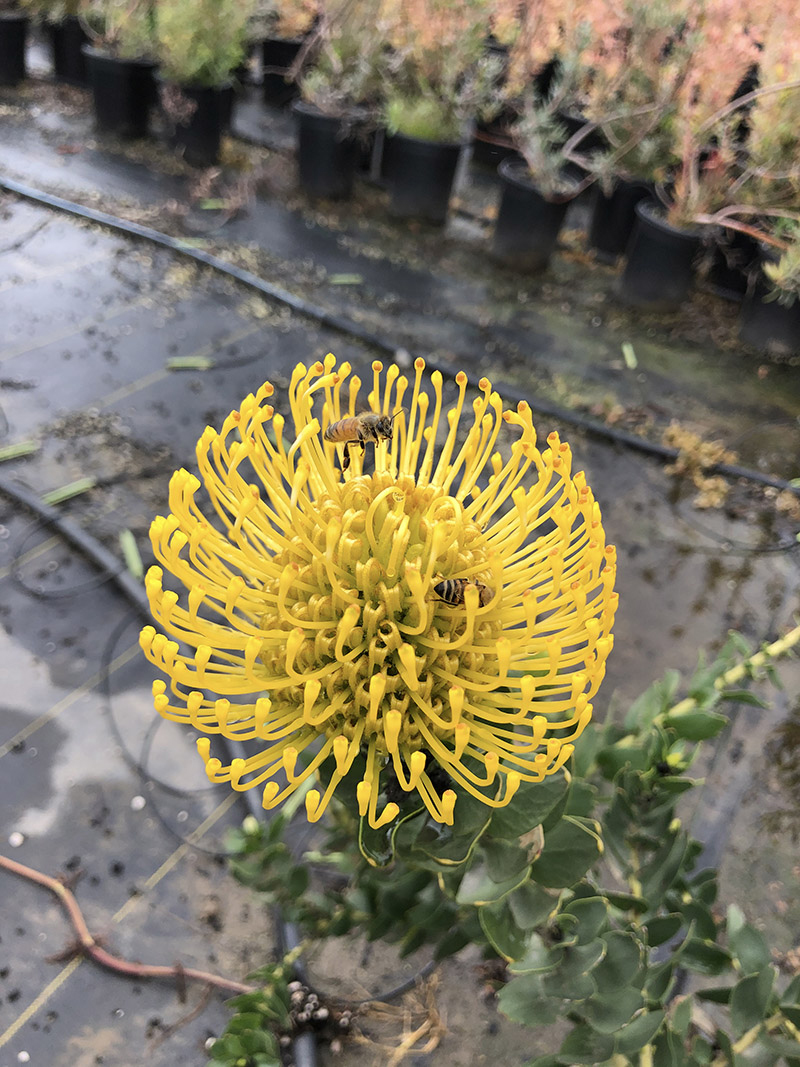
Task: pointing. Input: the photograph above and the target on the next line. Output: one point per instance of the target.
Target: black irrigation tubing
(352, 329)
(304, 1045)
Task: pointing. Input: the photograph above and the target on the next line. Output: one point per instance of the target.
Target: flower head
(313, 617)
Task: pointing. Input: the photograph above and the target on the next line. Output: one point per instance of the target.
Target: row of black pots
(124, 92)
(418, 174)
(13, 38)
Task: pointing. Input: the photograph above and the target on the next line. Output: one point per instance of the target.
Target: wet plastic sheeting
(89, 321)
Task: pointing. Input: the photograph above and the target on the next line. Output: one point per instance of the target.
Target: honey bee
(452, 591)
(359, 429)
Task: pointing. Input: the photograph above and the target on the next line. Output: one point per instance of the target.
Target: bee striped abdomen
(343, 431)
(452, 591)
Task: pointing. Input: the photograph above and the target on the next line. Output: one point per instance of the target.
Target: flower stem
(740, 670)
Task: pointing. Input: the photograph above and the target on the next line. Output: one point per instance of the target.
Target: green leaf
(569, 851)
(704, 886)
(621, 962)
(662, 928)
(451, 943)
(783, 1046)
(668, 1050)
(750, 947)
(716, 994)
(503, 859)
(478, 887)
(658, 698)
(663, 867)
(702, 1050)
(681, 1015)
(608, 1013)
(67, 492)
(582, 799)
(130, 553)
(585, 1045)
(378, 847)
(531, 905)
(627, 902)
(639, 1032)
(529, 807)
(659, 980)
(571, 979)
(537, 958)
(502, 931)
(791, 994)
(592, 916)
(523, 1001)
(705, 957)
(704, 922)
(744, 696)
(611, 760)
(345, 279)
(750, 1000)
(696, 725)
(21, 448)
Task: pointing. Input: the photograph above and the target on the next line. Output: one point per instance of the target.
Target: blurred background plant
(287, 19)
(343, 75)
(201, 42)
(51, 11)
(438, 76)
(123, 28)
(629, 89)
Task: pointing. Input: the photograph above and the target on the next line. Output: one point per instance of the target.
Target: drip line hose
(304, 1045)
(351, 329)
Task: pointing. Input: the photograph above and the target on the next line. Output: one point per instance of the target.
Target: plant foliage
(587, 885)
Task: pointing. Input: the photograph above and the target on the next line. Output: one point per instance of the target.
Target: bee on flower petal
(453, 590)
(359, 429)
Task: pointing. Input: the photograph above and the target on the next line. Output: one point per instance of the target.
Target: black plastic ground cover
(304, 1045)
(353, 330)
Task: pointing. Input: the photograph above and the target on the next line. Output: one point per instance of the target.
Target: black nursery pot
(419, 175)
(491, 143)
(659, 272)
(69, 62)
(768, 325)
(13, 34)
(278, 54)
(326, 153)
(732, 260)
(527, 226)
(198, 135)
(613, 218)
(123, 92)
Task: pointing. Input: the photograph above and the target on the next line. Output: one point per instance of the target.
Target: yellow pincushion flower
(316, 600)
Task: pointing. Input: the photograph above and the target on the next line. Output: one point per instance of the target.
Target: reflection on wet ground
(104, 361)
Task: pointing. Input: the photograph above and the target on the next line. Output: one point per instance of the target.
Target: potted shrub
(535, 191)
(200, 43)
(629, 89)
(13, 39)
(770, 319)
(338, 96)
(537, 188)
(661, 255)
(67, 37)
(121, 65)
(281, 26)
(437, 78)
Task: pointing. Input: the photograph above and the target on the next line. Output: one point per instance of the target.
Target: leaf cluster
(586, 885)
(249, 1039)
(200, 42)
